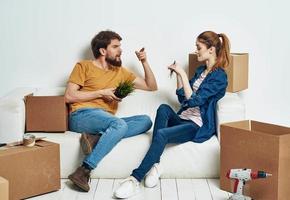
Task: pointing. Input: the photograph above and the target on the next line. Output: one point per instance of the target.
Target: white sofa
(188, 160)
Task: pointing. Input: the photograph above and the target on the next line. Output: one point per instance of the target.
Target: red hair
(221, 44)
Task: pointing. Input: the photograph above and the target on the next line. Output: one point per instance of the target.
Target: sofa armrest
(12, 115)
(230, 108)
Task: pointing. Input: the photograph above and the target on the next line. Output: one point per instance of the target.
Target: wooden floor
(167, 189)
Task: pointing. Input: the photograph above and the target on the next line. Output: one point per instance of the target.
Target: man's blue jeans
(112, 129)
(168, 128)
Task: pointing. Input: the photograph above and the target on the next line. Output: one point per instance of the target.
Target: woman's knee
(160, 135)
(163, 108)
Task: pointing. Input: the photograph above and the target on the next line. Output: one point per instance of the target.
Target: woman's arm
(185, 82)
(178, 82)
(182, 80)
(216, 84)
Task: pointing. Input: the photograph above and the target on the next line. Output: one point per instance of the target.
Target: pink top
(193, 114)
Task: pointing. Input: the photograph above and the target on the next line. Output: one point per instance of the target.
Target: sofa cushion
(230, 108)
(188, 160)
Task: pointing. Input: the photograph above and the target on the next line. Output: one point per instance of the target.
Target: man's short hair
(102, 40)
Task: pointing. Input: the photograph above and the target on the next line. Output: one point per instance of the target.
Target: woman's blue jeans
(168, 128)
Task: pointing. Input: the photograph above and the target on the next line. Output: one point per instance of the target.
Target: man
(90, 91)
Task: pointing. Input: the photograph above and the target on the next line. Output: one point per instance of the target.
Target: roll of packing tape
(28, 140)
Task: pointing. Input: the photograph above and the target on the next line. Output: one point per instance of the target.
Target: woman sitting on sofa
(195, 121)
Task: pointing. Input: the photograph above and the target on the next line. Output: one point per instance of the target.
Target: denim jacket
(209, 92)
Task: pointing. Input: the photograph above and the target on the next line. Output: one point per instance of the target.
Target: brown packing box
(237, 71)
(46, 114)
(3, 189)
(31, 170)
(257, 146)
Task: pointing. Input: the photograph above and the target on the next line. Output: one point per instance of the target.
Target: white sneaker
(128, 188)
(152, 177)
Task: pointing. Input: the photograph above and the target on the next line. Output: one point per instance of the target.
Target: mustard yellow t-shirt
(92, 78)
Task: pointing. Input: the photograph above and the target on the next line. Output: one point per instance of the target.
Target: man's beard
(114, 62)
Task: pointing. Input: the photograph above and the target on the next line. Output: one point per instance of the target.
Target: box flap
(245, 124)
(3, 180)
(4, 151)
(25, 97)
(16, 150)
(44, 143)
(269, 128)
(259, 127)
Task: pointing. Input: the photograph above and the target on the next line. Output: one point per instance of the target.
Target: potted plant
(124, 89)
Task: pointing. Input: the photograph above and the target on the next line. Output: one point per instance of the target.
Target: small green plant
(124, 89)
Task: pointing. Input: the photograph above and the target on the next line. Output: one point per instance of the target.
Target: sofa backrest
(229, 108)
(144, 102)
(138, 102)
(12, 108)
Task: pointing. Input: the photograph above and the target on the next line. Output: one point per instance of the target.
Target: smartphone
(171, 72)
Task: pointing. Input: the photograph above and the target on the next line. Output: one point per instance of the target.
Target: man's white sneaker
(152, 177)
(128, 188)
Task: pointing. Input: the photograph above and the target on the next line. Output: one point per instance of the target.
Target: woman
(195, 121)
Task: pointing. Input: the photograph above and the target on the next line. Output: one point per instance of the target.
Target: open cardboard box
(31, 170)
(257, 146)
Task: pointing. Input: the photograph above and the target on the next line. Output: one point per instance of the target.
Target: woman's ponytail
(223, 55)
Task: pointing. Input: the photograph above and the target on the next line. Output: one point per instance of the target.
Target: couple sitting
(90, 92)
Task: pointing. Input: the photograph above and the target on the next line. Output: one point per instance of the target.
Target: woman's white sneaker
(152, 177)
(128, 188)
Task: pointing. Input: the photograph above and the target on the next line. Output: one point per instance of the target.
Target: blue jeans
(112, 129)
(168, 128)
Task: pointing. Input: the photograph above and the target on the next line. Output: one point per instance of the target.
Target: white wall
(41, 41)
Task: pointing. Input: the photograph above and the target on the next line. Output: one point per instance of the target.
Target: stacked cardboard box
(257, 146)
(46, 114)
(31, 170)
(237, 71)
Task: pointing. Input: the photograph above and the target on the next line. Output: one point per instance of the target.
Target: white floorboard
(91, 194)
(153, 193)
(217, 194)
(185, 189)
(201, 189)
(167, 189)
(104, 189)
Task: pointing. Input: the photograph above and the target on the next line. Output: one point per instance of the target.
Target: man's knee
(146, 121)
(120, 125)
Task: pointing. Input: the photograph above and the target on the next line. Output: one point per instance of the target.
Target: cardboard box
(4, 187)
(31, 170)
(237, 71)
(257, 146)
(46, 114)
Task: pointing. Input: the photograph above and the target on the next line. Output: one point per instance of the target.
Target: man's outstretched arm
(148, 82)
